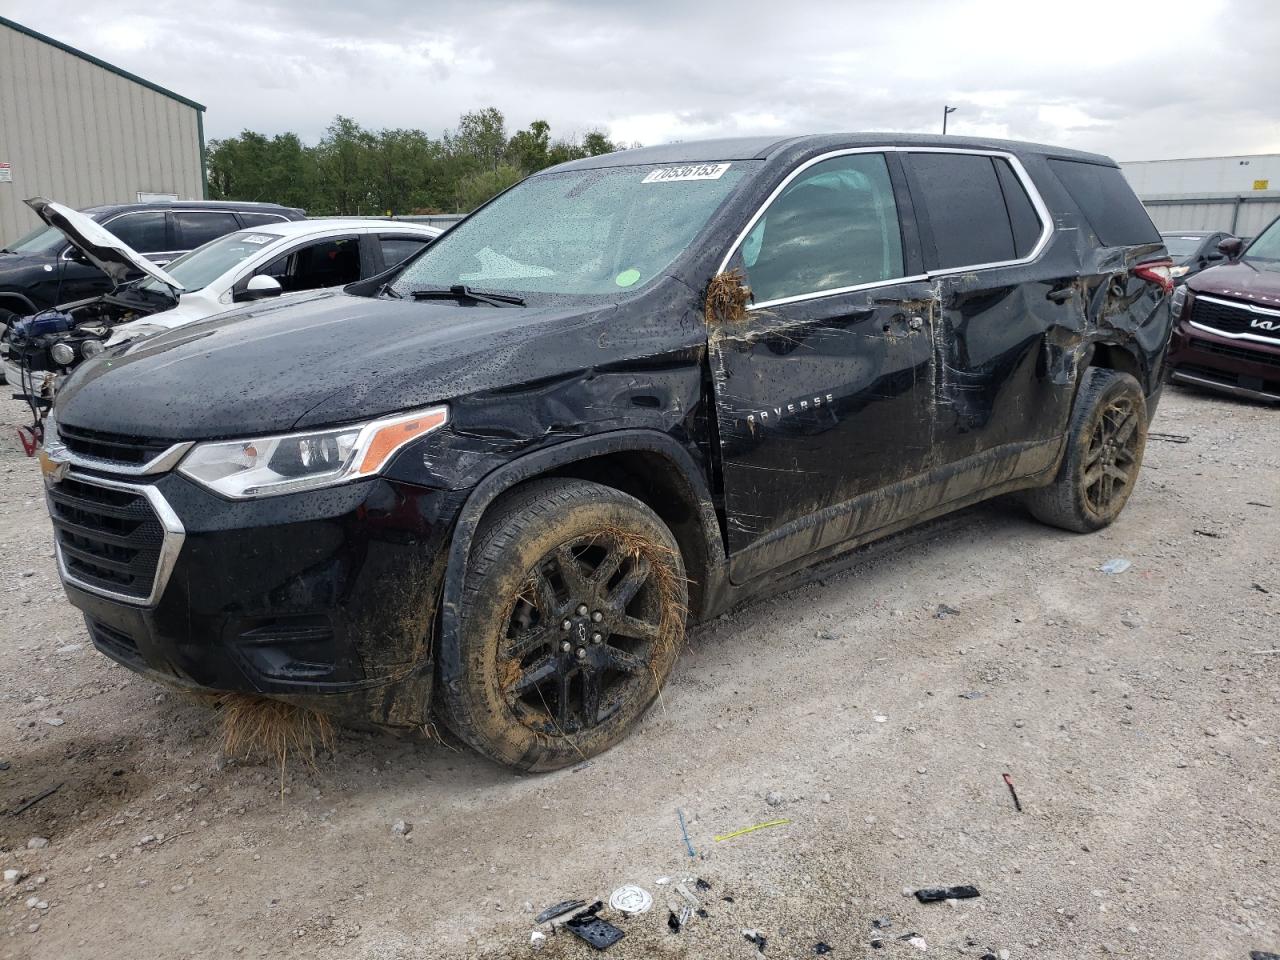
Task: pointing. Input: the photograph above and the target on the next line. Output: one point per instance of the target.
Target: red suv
(1227, 335)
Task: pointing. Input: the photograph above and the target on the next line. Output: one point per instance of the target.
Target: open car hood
(102, 248)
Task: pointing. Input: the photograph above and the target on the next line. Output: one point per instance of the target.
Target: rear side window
(252, 218)
(966, 208)
(396, 250)
(834, 226)
(1107, 202)
(195, 229)
(145, 232)
(1022, 215)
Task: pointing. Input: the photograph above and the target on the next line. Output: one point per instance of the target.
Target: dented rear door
(824, 388)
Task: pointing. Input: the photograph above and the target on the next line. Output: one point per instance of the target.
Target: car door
(823, 391)
(1003, 388)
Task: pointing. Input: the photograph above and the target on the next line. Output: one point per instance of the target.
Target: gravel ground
(1134, 712)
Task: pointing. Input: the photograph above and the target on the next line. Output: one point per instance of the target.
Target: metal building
(1239, 194)
(79, 130)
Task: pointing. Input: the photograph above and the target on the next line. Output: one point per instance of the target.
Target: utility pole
(946, 110)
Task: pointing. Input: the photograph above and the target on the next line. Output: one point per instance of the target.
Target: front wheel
(572, 616)
(1105, 442)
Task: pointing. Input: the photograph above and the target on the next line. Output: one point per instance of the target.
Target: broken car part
(932, 322)
(559, 910)
(590, 928)
(935, 894)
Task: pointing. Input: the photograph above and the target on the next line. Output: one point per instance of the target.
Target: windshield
(1266, 246)
(43, 240)
(199, 268)
(585, 233)
(1181, 247)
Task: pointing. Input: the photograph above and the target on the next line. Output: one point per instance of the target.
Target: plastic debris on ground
(946, 610)
(1008, 782)
(937, 894)
(586, 926)
(1118, 565)
(559, 909)
(631, 899)
(536, 939)
(820, 948)
(972, 695)
(684, 833)
(759, 826)
(702, 885)
(919, 943)
(1263, 955)
(756, 937)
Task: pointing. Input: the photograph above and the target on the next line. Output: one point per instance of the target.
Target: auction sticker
(690, 171)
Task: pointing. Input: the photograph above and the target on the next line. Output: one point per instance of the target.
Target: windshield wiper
(462, 292)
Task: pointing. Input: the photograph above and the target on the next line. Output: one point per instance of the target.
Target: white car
(272, 260)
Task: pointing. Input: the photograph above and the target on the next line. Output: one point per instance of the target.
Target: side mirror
(260, 287)
(76, 254)
(1214, 257)
(1231, 247)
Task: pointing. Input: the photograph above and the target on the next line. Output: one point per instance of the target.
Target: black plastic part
(820, 948)
(702, 884)
(601, 934)
(563, 907)
(757, 938)
(673, 922)
(935, 894)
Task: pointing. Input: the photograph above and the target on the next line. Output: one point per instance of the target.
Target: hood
(102, 248)
(336, 358)
(1256, 281)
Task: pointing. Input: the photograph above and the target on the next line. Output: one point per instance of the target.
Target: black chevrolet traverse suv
(498, 481)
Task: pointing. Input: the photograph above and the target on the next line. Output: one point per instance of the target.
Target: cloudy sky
(1136, 80)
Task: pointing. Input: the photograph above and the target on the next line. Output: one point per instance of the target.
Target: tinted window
(965, 208)
(1022, 215)
(197, 229)
(396, 250)
(835, 225)
(252, 218)
(325, 263)
(145, 232)
(1108, 204)
(1267, 244)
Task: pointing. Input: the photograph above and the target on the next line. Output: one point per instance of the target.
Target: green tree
(484, 185)
(527, 149)
(481, 136)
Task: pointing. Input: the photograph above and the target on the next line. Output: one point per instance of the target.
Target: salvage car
(1193, 250)
(267, 261)
(628, 393)
(1227, 333)
(44, 268)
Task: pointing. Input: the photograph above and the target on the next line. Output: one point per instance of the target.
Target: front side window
(834, 226)
(145, 232)
(1266, 246)
(331, 262)
(598, 232)
(43, 241)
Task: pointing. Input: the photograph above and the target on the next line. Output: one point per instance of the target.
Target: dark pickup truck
(497, 482)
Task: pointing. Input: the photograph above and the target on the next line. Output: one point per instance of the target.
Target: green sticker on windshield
(627, 277)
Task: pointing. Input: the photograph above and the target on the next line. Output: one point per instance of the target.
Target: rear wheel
(572, 617)
(1105, 443)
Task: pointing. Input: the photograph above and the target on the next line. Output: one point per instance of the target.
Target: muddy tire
(572, 616)
(1105, 442)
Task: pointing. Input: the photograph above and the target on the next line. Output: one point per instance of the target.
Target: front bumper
(1243, 368)
(325, 598)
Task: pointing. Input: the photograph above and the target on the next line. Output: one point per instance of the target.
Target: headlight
(1179, 271)
(1177, 300)
(91, 348)
(63, 354)
(266, 466)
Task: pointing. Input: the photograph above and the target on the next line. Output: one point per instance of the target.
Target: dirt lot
(1134, 712)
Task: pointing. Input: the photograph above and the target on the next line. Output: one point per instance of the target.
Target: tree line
(354, 171)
